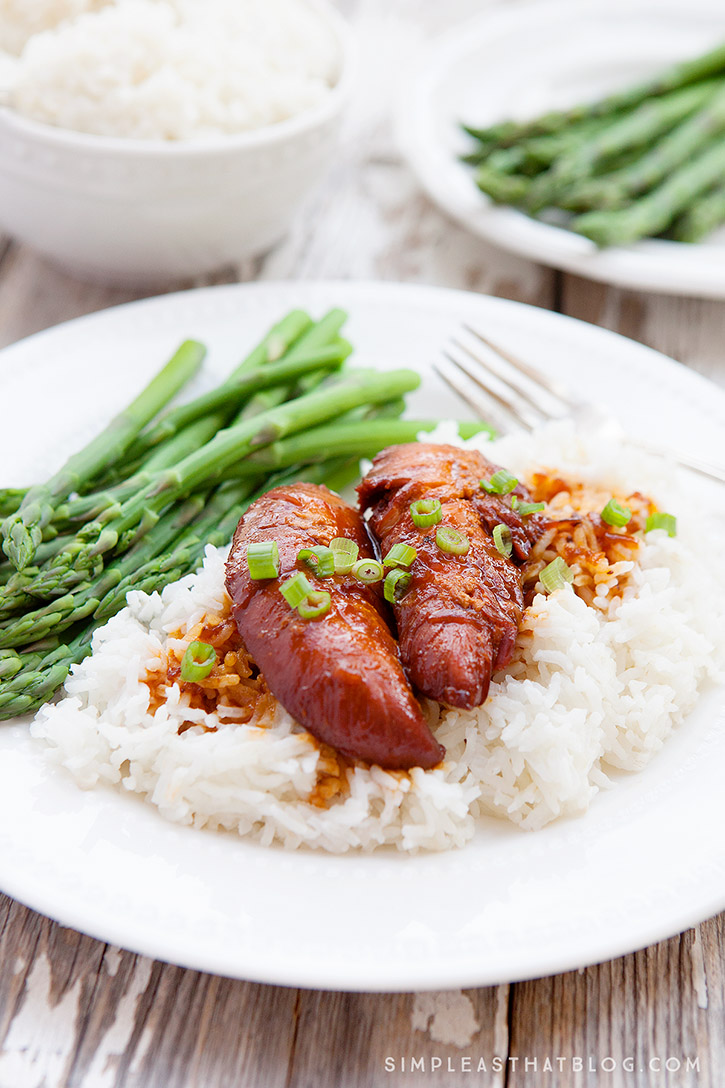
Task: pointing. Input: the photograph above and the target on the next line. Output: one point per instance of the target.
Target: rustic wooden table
(74, 1011)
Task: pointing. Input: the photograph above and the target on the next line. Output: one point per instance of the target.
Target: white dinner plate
(524, 58)
(646, 861)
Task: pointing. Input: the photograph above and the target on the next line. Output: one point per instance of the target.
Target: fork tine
(555, 388)
(484, 408)
(484, 403)
(516, 389)
(507, 397)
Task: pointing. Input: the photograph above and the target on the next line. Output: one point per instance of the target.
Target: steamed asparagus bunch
(136, 508)
(646, 162)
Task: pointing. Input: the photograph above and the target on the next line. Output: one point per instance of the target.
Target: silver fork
(508, 392)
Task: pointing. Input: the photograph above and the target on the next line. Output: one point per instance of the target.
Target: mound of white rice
(21, 19)
(165, 69)
(589, 689)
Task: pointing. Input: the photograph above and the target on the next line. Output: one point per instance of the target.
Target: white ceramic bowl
(139, 212)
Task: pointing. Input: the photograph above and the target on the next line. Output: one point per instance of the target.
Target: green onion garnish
(500, 483)
(400, 555)
(197, 662)
(368, 571)
(319, 559)
(345, 553)
(316, 604)
(503, 541)
(263, 559)
(396, 585)
(296, 589)
(526, 508)
(668, 522)
(616, 514)
(425, 512)
(451, 541)
(556, 575)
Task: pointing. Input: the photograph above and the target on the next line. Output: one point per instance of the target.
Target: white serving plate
(646, 861)
(528, 56)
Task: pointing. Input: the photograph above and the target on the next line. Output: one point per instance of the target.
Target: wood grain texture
(75, 1013)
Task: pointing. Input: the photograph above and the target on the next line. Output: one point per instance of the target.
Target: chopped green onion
(396, 585)
(668, 522)
(451, 541)
(316, 604)
(503, 540)
(616, 514)
(526, 508)
(197, 662)
(556, 575)
(425, 512)
(400, 555)
(263, 559)
(296, 589)
(345, 553)
(319, 559)
(500, 483)
(368, 571)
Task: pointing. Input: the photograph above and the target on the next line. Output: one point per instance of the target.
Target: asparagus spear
(616, 190)
(324, 332)
(187, 432)
(532, 154)
(272, 347)
(231, 395)
(10, 499)
(279, 343)
(655, 212)
(195, 435)
(679, 75)
(703, 217)
(22, 532)
(38, 682)
(358, 438)
(639, 128)
(85, 597)
(10, 664)
(83, 559)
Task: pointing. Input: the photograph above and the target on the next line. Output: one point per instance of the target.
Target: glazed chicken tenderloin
(459, 618)
(339, 676)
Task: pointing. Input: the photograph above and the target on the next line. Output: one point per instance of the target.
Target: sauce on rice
(236, 689)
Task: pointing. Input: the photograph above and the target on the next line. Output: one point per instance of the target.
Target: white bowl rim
(250, 139)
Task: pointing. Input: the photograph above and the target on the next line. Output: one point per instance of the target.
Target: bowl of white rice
(149, 140)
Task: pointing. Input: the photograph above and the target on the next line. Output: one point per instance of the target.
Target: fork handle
(694, 464)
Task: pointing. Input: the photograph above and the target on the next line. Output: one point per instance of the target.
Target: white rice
(165, 69)
(591, 689)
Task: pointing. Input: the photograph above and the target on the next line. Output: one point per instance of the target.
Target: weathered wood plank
(75, 1012)
(690, 330)
(656, 1017)
(363, 1040)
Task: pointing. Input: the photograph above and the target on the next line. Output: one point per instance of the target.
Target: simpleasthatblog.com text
(467, 1063)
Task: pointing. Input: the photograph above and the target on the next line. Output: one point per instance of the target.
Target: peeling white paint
(447, 1016)
(41, 1038)
(699, 976)
(113, 1044)
(141, 1051)
(112, 960)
